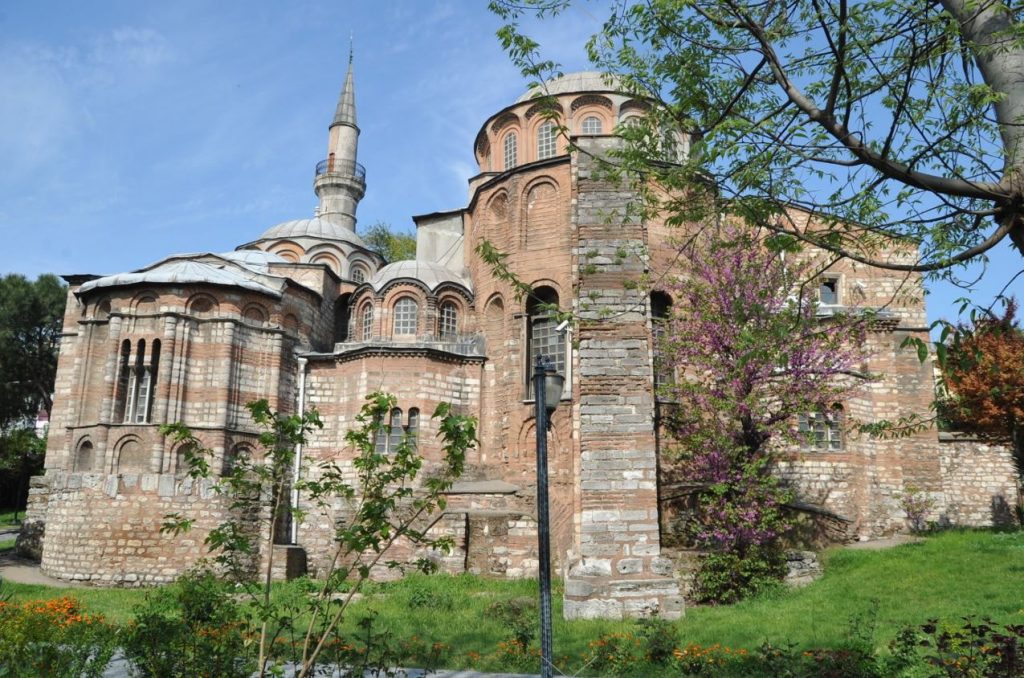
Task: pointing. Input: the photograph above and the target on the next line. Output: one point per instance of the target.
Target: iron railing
(341, 166)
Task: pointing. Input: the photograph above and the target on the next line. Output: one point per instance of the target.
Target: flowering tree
(983, 370)
(751, 354)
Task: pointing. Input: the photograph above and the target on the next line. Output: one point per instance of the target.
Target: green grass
(7, 544)
(7, 519)
(948, 576)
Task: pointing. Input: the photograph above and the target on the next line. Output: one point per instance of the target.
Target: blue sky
(132, 130)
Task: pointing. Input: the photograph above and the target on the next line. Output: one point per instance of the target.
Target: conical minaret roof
(345, 114)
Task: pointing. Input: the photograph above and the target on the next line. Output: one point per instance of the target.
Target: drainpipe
(303, 362)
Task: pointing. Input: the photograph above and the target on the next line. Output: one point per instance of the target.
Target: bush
(53, 638)
(725, 577)
(192, 628)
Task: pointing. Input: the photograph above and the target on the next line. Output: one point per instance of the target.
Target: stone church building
(305, 315)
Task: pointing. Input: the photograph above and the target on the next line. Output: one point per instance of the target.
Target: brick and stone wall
(617, 569)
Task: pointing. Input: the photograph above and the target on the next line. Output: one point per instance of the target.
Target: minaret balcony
(348, 168)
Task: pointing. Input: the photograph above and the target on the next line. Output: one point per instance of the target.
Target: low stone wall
(979, 482)
(105, 529)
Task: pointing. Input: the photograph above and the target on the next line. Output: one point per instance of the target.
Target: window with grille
(367, 322)
(448, 320)
(546, 137)
(545, 338)
(822, 430)
(358, 274)
(406, 314)
(511, 142)
(591, 125)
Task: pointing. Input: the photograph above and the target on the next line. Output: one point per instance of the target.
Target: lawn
(7, 519)
(947, 576)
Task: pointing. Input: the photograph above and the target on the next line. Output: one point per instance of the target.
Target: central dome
(319, 227)
(582, 81)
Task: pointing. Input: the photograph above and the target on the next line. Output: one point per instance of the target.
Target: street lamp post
(547, 389)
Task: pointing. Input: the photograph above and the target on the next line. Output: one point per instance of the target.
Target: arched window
(661, 306)
(406, 316)
(546, 340)
(358, 274)
(341, 313)
(389, 437)
(395, 430)
(412, 430)
(136, 381)
(366, 322)
(448, 320)
(591, 125)
(546, 138)
(822, 430)
(510, 146)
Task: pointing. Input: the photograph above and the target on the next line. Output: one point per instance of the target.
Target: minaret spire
(340, 181)
(345, 114)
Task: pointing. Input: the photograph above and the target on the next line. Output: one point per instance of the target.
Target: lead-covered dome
(430, 274)
(318, 227)
(582, 81)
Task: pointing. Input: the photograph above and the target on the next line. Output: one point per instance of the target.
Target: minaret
(341, 181)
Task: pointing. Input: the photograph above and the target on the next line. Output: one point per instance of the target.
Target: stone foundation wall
(105, 529)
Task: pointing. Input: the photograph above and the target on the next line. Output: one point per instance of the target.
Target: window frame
(447, 319)
(366, 322)
(547, 140)
(403, 318)
(822, 430)
(591, 119)
(510, 150)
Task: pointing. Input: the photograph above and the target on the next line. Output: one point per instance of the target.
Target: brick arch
(604, 116)
(202, 305)
(543, 107)
(482, 146)
(526, 445)
(495, 218)
(633, 105)
(328, 259)
(132, 456)
(504, 120)
(255, 313)
(85, 456)
(590, 100)
(144, 302)
(543, 225)
(288, 250)
(101, 311)
(238, 451)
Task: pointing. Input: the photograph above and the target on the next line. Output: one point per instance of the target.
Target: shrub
(53, 638)
(192, 628)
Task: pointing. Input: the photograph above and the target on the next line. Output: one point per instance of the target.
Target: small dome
(582, 81)
(427, 272)
(318, 227)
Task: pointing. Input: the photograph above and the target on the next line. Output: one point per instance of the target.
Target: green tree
(983, 375)
(889, 118)
(31, 318)
(377, 501)
(390, 244)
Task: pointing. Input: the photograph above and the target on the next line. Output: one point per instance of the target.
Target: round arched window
(406, 316)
